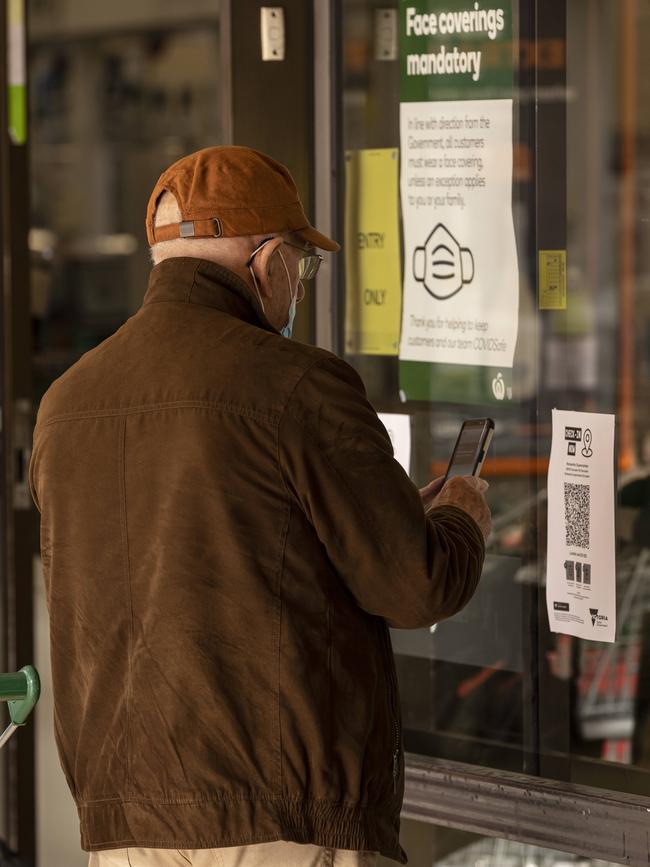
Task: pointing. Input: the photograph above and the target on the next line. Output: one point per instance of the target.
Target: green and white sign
(16, 90)
(461, 278)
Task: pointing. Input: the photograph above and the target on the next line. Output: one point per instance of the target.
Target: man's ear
(262, 266)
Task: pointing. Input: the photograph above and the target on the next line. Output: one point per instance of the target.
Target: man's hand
(429, 492)
(467, 493)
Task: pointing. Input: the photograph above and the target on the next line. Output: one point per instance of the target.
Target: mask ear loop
(300, 283)
(288, 278)
(248, 265)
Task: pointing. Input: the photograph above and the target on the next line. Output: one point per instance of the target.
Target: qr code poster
(581, 552)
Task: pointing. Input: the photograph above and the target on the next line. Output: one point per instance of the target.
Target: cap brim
(318, 239)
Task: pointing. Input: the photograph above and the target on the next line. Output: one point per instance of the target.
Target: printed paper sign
(373, 291)
(399, 431)
(461, 276)
(581, 554)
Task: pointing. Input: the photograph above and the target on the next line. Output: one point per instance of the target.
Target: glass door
(494, 686)
(467, 684)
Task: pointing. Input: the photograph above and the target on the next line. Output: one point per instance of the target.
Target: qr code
(576, 512)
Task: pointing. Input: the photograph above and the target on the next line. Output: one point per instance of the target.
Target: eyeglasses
(308, 264)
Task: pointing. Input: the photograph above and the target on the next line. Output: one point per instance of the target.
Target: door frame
(17, 517)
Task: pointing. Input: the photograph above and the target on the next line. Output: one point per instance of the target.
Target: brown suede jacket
(226, 538)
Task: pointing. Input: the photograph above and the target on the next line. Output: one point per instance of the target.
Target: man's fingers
(433, 487)
(436, 484)
(480, 484)
(467, 493)
(475, 482)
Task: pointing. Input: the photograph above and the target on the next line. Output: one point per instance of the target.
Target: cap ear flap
(167, 209)
(164, 210)
(152, 206)
(152, 212)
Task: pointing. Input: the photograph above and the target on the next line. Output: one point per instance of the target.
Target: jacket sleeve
(337, 460)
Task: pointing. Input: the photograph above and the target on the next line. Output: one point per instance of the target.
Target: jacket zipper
(395, 756)
(396, 742)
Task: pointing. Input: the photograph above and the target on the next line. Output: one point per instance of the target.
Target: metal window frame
(556, 815)
(17, 518)
(4, 173)
(327, 147)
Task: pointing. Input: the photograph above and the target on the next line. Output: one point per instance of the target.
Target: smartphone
(471, 447)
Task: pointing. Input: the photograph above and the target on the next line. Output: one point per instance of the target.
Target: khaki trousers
(279, 853)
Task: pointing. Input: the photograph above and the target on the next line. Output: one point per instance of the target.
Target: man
(226, 538)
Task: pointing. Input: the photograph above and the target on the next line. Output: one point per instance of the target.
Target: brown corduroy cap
(228, 191)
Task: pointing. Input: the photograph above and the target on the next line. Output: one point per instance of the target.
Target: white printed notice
(398, 427)
(461, 275)
(461, 279)
(581, 553)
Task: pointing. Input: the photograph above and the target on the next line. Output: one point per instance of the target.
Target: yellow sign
(552, 279)
(373, 290)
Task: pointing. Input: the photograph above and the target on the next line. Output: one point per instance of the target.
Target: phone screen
(471, 446)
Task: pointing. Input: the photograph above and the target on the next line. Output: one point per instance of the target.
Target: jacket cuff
(461, 516)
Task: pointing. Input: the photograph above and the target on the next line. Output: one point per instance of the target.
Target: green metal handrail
(21, 692)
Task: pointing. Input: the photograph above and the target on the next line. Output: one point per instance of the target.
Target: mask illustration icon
(442, 265)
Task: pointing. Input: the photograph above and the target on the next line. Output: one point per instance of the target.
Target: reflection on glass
(438, 846)
(491, 852)
(109, 112)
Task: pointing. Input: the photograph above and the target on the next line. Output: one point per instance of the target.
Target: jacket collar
(200, 281)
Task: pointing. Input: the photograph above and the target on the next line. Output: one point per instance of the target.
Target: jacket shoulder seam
(152, 407)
